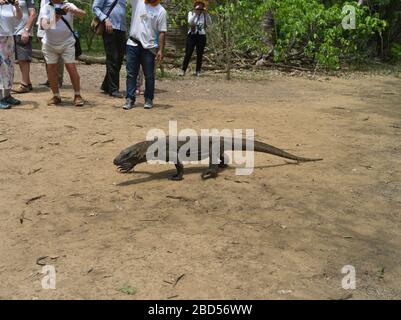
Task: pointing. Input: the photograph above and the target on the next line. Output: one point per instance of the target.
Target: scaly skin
(137, 153)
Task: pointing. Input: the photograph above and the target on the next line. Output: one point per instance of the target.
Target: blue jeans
(136, 57)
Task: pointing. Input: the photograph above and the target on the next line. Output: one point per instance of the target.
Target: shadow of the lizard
(151, 176)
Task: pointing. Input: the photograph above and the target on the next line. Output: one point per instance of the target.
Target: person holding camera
(199, 20)
(56, 19)
(10, 13)
(113, 14)
(23, 44)
(60, 65)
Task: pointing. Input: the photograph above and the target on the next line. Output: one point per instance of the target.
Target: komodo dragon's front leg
(180, 169)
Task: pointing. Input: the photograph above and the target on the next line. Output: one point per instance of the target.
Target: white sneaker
(182, 73)
(129, 104)
(148, 104)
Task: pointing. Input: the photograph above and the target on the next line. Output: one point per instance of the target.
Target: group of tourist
(143, 47)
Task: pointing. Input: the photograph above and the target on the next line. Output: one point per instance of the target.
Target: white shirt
(57, 35)
(146, 22)
(8, 21)
(25, 6)
(198, 23)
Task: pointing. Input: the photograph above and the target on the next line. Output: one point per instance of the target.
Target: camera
(12, 2)
(60, 11)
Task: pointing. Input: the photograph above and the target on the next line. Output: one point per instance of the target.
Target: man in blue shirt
(113, 14)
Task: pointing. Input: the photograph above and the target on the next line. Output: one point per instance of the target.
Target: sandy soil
(285, 232)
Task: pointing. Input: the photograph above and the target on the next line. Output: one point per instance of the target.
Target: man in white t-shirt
(59, 42)
(145, 47)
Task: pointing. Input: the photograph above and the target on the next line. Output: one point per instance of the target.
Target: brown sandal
(22, 88)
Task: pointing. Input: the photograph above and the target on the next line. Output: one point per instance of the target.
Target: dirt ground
(285, 232)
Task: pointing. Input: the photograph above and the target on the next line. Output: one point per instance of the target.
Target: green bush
(305, 31)
(311, 32)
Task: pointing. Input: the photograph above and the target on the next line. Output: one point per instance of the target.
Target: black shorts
(23, 51)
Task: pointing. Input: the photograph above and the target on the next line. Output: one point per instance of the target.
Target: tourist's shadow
(139, 106)
(69, 104)
(160, 90)
(27, 105)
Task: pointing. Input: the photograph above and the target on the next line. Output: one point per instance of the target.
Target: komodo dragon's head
(130, 157)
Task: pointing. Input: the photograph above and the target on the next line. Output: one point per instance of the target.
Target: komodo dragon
(137, 153)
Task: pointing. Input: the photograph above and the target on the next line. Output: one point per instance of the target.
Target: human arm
(97, 7)
(18, 11)
(162, 44)
(32, 15)
(74, 10)
(208, 19)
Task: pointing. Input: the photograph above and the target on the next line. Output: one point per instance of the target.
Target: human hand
(25, 37)
(108, 25)
(67, 8)
(159, 56)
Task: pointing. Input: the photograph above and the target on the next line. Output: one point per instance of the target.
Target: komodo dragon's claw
(176, 177)
(209, 173)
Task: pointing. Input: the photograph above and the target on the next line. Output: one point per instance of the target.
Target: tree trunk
(228, 39)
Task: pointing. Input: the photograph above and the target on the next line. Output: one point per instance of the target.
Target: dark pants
(194, 41)
(114, 46)
(136, 57)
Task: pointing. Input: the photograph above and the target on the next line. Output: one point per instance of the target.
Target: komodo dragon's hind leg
(224, 160)
(212, 171)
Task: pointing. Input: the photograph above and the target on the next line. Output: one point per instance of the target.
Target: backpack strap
(113, 5)
(68, 25)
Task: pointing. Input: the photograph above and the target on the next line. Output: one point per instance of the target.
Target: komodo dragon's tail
(266, 148)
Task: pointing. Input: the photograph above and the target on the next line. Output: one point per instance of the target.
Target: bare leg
(25, 67)
(52, 76)
(74, 76)
(60, 71)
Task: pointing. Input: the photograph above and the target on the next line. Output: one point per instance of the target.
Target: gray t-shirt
(25, 6)
(8, 21)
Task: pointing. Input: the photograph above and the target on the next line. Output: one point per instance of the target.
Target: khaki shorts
(52, 55)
